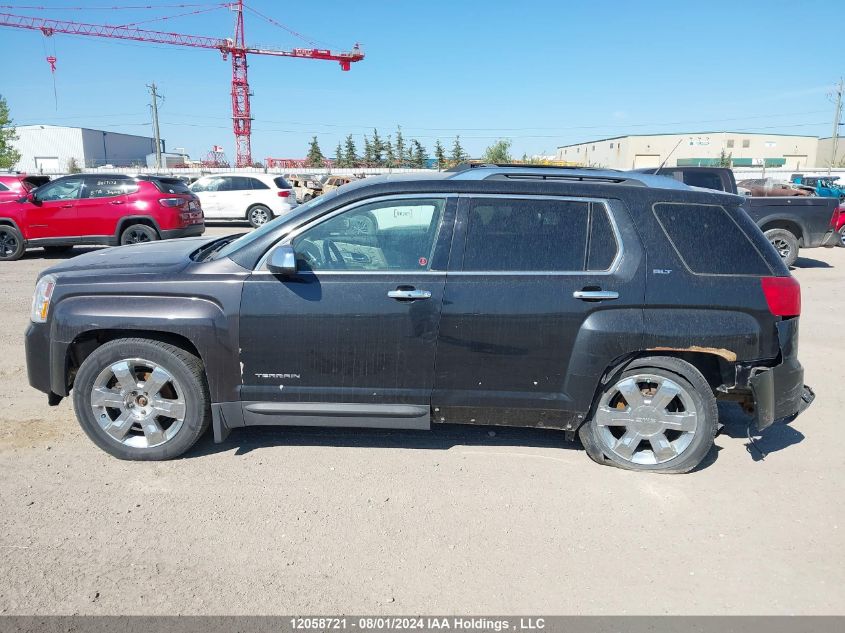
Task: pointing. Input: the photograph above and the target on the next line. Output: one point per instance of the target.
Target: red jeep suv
(104, 209)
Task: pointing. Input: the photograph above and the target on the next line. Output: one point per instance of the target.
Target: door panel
(102, 204)
(507, 332)
(55, 215)
(357, 325)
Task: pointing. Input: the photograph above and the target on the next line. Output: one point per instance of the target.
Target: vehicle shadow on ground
(39, 253)
(776, 438)
(441, 437)
(807, 262)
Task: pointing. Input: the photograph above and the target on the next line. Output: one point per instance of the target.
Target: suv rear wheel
(140, 399)
(137, 234)
(11, 243)
(259, 215)
(659, 415)
(785, 243)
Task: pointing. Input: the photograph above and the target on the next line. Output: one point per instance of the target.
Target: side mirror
(30, 197)
(282, 261)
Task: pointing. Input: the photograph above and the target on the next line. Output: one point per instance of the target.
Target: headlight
(41, 298)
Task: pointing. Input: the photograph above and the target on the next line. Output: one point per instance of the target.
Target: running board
(355, 415)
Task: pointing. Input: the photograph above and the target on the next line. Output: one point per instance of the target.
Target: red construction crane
(236, 48)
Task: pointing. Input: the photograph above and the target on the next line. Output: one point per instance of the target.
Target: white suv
(253, 197)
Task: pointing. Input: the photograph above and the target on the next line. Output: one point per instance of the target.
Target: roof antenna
(663, 164)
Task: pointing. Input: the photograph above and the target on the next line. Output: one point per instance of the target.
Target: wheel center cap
(142, 401)
(645, 420)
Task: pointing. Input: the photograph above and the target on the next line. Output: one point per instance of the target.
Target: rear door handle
(595, 295)
(409, 295)
(116, 202)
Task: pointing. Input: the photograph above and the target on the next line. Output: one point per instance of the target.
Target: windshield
(271, 226)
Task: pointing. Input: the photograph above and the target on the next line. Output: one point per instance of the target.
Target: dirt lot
(280, 521)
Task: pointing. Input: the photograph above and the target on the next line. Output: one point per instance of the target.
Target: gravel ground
(456, 520)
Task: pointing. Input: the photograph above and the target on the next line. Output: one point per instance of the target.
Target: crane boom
(236, 47)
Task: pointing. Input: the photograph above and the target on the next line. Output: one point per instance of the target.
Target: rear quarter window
(708, 240)
(281, 183)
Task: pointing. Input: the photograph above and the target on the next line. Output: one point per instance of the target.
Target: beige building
(825, 153)
(698, 148)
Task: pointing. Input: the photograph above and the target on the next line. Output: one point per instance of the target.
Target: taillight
(834, 219)
(283, 193)
(172, 202)
(783, 294)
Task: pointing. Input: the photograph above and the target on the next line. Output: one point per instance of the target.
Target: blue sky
(540, 73)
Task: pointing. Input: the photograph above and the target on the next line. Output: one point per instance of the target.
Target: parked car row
(100, 209)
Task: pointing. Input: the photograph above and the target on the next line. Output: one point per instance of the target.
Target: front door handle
(595, 295)
(409, 294)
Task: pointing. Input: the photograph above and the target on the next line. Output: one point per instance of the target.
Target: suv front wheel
(141, 399)
(659, 415)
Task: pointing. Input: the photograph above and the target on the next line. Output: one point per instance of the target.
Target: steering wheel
(332, 254)
(310, 253)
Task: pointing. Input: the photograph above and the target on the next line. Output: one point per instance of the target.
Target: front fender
(201, 321)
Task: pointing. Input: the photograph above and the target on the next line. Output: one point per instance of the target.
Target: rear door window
(105, 186)
(708, 240)
(516, 234)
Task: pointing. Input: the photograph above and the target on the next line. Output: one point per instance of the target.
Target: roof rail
(473, 165)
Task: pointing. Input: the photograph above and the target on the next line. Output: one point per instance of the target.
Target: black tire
(12, 245)
(690, 379)
(259, 215)
(842, 236)
(785, 243)
(58, 250)
(185, 368)
(307, 197)
(138, 234)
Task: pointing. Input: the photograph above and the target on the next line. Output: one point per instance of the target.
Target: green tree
(418, 154)
(458, 154)
(9, 156)
(73, 166)
(350, 152)
(401, 148)
(440, 154)
(389, 156)
(339, 159)
(498, 152)
(315, 156)
(378, 149)
(368, 152)
(725, 160)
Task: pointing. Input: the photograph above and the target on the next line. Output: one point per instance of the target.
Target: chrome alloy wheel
(258, 216)
(782, 247)
(646, 419)
(138, 403)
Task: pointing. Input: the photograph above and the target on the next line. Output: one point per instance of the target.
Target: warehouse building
(826, 158)
(696, 148)
(53, 149)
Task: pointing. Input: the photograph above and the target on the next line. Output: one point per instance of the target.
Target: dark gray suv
(614, 305)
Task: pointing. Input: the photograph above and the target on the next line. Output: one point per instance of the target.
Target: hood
(151, 258)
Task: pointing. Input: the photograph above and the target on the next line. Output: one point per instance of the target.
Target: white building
(52, 149)
(696, 148)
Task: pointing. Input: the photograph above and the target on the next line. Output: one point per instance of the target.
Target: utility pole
(156, 133)
(837, 118)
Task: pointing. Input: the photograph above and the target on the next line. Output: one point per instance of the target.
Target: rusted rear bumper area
(779, 392)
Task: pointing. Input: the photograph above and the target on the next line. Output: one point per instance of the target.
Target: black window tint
(526, 235)
(171, 185)
(257, 184)
(709, 241)
(281, 183)
(105, 186)
(703, 179)
(602, 245)
(3, 187)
